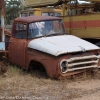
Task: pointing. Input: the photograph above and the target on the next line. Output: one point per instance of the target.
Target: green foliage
(12, 9)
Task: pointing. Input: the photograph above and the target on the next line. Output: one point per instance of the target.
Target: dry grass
(38, 86)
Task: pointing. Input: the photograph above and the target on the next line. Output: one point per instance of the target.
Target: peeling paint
(64, 44)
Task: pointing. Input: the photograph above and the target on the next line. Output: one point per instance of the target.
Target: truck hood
(57, 45)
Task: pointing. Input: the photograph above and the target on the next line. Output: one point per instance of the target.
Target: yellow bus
(41, 12)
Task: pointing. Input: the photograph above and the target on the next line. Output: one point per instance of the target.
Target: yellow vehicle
(83, 20)
(79, 19)
(41, 12)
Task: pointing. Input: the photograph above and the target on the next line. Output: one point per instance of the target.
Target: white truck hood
(62, 44)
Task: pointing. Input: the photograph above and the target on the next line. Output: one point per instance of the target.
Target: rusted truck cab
(39, 40)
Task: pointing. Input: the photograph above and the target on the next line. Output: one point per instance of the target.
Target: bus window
(45, 14)
(31, 14)
(51, 14)
(24, 14)
(57, 14)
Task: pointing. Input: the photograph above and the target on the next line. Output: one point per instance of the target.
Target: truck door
(17, 44)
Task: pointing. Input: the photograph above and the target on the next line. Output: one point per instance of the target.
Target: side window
(57, 14)
(45, 14)
(24, 14)
(73, 12)
(20, 31)
(51, 14)
(48, 14)
(31, 14)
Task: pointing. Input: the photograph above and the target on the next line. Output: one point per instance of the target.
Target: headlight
(63, 66)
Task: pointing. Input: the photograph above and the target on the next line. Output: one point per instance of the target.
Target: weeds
(36, 83)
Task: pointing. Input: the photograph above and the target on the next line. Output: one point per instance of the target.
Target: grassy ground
(38, 86)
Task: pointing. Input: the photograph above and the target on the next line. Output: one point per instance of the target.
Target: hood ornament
(83, 49)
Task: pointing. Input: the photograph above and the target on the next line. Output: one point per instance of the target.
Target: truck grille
(77, 63)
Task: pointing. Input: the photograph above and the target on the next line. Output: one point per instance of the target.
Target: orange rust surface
(30, 19)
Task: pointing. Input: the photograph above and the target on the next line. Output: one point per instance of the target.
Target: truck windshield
(46, 28)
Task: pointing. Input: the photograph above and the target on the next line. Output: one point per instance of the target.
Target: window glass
(57, 14)
(31, 14)
(45, 28)
(51, 14)
(20, 31)
(45, 14)
(24, 14)
(73, 12)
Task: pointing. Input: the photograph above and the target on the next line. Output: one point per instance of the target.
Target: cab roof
(30, 19)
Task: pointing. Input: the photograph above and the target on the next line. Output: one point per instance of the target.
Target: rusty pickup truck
(42, 41)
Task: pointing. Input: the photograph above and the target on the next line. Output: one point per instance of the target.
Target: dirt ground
(19, 85)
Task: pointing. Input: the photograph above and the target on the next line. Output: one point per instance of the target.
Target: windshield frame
(63, 33)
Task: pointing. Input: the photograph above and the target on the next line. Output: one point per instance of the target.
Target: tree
(12, 9)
